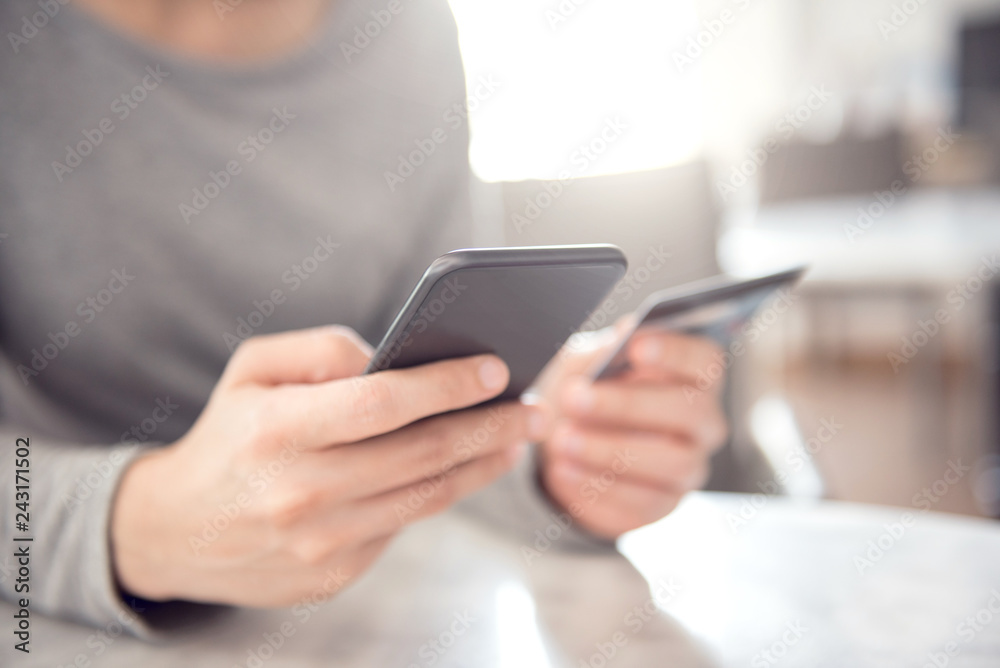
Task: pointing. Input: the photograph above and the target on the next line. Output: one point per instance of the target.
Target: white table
(785, 582)
(925, 238)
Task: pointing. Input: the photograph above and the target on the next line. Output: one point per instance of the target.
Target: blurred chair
(668, 210)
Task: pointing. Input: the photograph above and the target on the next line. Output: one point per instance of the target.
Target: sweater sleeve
(71, 492)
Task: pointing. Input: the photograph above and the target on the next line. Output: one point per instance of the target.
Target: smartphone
(518, 303)
(717, 308)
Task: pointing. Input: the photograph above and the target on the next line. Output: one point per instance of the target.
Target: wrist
(138, 533)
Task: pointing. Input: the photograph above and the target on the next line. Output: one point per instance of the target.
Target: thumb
(304, 356)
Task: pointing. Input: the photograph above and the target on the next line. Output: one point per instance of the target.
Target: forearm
(71, 493)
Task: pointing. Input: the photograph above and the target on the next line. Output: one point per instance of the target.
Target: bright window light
(568, 71)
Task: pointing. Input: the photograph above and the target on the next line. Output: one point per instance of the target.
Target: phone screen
(523, 314)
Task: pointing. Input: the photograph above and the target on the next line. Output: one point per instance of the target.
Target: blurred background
(859, 136)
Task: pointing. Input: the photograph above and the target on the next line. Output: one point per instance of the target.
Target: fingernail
(492, 374)
(536, 423)
(650, 351)
(581, 396)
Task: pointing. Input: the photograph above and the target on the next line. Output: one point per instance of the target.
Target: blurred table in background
(924, 237)
(725, 581)
(925, 250)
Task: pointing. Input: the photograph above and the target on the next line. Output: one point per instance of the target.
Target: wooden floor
(901, 432)
(900, 435)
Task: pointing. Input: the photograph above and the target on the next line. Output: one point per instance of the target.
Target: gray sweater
(154, 211)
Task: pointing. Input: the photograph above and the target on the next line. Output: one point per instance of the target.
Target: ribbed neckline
(314, 51)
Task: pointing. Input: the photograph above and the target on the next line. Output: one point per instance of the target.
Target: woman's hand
(624, 451)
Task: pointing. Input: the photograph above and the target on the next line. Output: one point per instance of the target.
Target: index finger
(349, 410)
(682, 357)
